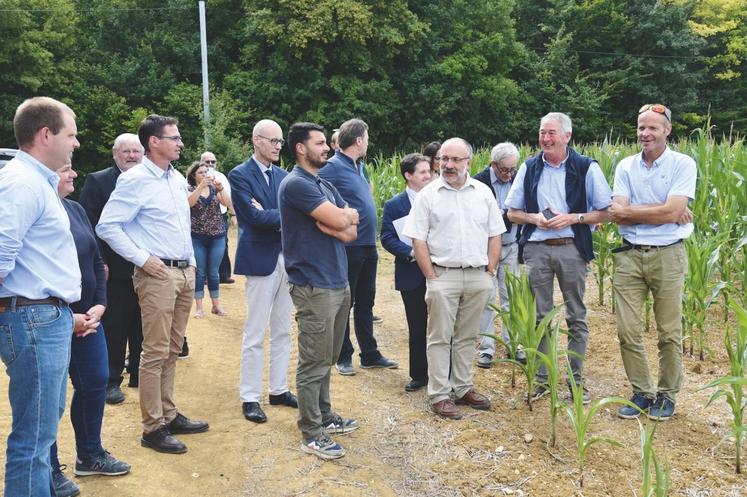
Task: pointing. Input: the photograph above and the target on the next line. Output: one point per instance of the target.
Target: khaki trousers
(455, 299)
(165, 305)
(662, 271)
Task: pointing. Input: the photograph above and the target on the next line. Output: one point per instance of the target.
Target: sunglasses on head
(658, 108)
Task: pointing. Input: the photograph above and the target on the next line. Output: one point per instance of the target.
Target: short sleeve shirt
(311, 257)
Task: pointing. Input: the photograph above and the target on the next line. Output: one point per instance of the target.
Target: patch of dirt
(402, 449)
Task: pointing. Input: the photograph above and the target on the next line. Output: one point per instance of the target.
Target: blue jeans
(89, 371)
(208, 254)
(35, 347)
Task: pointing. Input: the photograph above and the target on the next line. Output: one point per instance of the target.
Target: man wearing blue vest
(558, 195)
(344, 171)
(652, 189)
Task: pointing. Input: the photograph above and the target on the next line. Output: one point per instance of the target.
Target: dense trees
(416, 71)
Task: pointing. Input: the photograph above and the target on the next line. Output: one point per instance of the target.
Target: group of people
(307, 240)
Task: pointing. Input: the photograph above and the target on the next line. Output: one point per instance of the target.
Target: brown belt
(7, 302)
(556, 241)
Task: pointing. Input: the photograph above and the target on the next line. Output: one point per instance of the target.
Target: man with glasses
(558, 195)
(259, 256)
(147, 221)
(650, 197)
(343, 170)
(456, 227)
(212, 164)
(499, 176)
(122, 322)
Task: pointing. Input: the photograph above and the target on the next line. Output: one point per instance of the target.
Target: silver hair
(260, 126)
(464, 142)
(129, 137)
(566, 126)
(503, 151)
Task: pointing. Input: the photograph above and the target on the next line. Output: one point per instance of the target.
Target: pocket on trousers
(7, 351)
(313, 342)
(42, 315)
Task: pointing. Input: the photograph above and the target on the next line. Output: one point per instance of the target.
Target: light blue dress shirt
(551, 193)
(148, 214)
(37, 251)
(672, 173)
(501, 190)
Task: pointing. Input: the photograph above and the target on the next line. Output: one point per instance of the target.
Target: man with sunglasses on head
(499, 176)
(147, 221)
(259, 256)
(650, 197)
(212, 164)
(558, 195)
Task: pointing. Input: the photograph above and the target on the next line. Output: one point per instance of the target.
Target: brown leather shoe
(446, 409)
(474, 400)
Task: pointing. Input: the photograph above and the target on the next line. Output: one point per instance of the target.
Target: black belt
(7, 302)
(645, 248)
(181, 264)
(459, 267)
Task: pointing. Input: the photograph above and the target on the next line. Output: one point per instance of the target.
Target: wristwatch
(581, 218)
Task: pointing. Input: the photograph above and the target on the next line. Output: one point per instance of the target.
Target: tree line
(416, 71)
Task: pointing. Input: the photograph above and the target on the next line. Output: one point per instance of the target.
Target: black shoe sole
(162, 450)
(258, 421)
(190, 431)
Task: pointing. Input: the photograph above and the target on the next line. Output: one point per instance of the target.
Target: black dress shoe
(227, 281)
(133, 382)
(162, 441)
(114, 395)
(284, 399)
(415, 385)
(253, 412)
(185, 426)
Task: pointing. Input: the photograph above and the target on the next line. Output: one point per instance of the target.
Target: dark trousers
(122, 325)
(89, 370)
(416, 312)
(224, 271)
(362, 262)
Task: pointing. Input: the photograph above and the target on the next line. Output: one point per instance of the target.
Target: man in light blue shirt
(38, 279)
(558, 196)
(147, 221)
(651, 193)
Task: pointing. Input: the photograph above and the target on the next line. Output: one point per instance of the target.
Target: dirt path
(402, 449)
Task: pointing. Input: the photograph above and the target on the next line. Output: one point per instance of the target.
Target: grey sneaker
(345, 369)
(377, 319)
(381, 362)
(63, 487)
(585, 392)
(539, 391)
(485, 361)
(341, 426)
(102, 464)
(324, 447)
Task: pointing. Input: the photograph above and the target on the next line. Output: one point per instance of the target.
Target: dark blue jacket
(259, 230)
(407, 274)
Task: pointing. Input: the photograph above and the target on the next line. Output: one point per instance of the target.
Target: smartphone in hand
(548, 213)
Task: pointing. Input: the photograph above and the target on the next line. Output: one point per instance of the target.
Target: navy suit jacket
(407, 274)
(259, 230)
(93, 197)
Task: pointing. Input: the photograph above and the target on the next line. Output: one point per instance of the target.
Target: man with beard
(456, 227)
(315, 222)
(122, 322)
(147, 221)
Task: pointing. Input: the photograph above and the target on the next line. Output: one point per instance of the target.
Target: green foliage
(661, 484)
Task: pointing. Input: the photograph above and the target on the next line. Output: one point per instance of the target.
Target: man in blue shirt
(38, 279)
(344, 172)
(650, 195)
(147, 221)
(558, 195)
(314, 223)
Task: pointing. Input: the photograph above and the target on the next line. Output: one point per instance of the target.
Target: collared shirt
(551, 193)
(148, 214)
(671, 174)
(263, 169)
(455, 224)
(37, 251)
(226, 187)
(411, 195)
(501, 190)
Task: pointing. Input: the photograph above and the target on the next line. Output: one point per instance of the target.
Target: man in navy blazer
(122, 321)
(408, 279)
(254, 192)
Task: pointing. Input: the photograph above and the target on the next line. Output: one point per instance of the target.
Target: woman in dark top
(89, 368)
(208, 233)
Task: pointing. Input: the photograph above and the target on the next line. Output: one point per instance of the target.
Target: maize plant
(605, 238)
(661, 485)
(551, 360)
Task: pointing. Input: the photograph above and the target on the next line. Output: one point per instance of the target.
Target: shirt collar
(658, 161)
(562, 163)
(39, 167)
(443, 184)
(411, 194)
(155, 170)
(262, 167)
(346, 158)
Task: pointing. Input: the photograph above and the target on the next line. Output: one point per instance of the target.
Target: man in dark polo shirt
(314, 222)
(344, 171)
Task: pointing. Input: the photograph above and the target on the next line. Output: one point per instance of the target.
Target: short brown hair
(37, 113)
(153, 126)
(351, 130)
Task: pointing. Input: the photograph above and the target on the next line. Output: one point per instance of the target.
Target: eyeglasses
(210, 161)
(445, 159)
(658, 108)
(506, 170)
(175, 138)
(274, 141)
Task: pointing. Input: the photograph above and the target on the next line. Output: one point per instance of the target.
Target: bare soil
(402, 449)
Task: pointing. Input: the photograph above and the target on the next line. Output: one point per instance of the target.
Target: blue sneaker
(102, 464)
(323, 446)
(341, 426)
(662, 409)
(63, 487)
(345, 368)
(639, 399)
